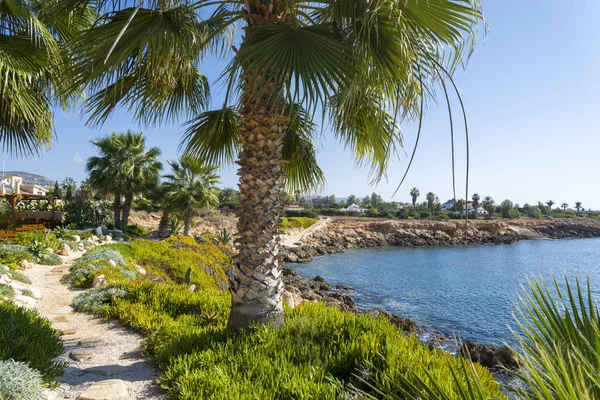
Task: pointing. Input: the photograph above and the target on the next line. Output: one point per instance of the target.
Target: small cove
(468, 293)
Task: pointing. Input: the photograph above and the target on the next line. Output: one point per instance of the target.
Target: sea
(461, 292)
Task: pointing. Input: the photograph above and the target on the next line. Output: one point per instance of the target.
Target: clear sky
(531, 92)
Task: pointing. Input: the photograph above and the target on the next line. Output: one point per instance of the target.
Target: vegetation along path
(105, 361)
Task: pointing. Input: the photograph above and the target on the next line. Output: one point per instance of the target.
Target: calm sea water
(468, 293)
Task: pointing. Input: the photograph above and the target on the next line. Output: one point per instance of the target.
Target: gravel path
(105, 359)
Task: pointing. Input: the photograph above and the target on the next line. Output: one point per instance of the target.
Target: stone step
(61, 318)
(81, 355)
(111, 389)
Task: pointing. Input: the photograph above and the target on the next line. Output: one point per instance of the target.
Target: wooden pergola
(30, 219)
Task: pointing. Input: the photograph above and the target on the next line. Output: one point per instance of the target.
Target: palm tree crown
(361, 65)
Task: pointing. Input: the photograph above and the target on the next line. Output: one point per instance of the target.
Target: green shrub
(65, 234)
(45, 236)
(27, 292)
(72, 245)
(6, 293)
(4, 269)
(82, 274)
(25, 336)
(97, 301)
(303, 213)
(224, 237)
(89, 213)
(12, 254)
(318, 354)
(18, 381)
(298, 222)
(20, 277)
(101, 253)
(49, 259)
(135, 230)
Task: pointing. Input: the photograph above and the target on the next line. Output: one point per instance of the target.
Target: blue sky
(531, 95)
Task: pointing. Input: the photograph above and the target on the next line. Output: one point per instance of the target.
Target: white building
(355, 208)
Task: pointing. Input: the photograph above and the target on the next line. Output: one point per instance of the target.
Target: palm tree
(460, 205)
(35, 42)
(124, 168)
(160, 197)
(190, 188)
(365, 66)
(229, 195)
(69, 185)
(430, 201)
(578, 206)
(550, 203)
(476, 199)
(86, 189)
(565, 206)
(414, 194)
(489, 205)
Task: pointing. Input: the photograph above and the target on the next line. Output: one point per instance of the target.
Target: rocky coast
(343, 233)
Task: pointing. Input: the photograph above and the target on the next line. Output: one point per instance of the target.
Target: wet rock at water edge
(319, 278)
(405, 324)
(488, 355)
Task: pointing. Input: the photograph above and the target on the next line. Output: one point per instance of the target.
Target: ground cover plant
(27, 337)
(11, 254)
(320, 352)
(18, 381)
(29, 238)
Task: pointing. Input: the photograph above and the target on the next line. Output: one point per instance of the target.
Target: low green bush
(18, 381)
(12, 254)
(26, 336)
(302, 213)
(27, 292)
(72, 245)
(6, 293)
(97, 301)
(135, 230)
(43, 236)
(64, 233)
(20, 277)
(298, 222)
(48, 259)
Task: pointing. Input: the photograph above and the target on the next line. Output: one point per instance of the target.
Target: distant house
(15, 185)
(481, 210)
(449, 205)
(355, 208)
(293, 208)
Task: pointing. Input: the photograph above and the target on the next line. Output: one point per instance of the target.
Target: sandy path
(295, 240)
(106, 350)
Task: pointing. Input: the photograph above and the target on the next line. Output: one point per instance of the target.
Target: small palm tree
(365, 65)
(476, 199)
(565, 206)
(123, 168)
(430, 201)
(550, 203)
(191, 187)
(86, 189)
(69, 185)
(229, 195)
(578, 206)
(414, 194)
(460, 206)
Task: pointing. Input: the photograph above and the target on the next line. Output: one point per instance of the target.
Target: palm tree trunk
(117, 210)
(163, 225)
(126, 210)
(187, 221)
(256, 287)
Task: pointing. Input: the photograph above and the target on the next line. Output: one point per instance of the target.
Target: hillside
(32, 179)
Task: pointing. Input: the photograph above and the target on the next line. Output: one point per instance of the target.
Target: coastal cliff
(345, 233)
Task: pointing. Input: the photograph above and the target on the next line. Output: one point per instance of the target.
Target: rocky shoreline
(342, 234)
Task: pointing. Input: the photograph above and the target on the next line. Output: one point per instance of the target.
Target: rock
(80, 355)
(319, 278)
(64, 310)
(24, 264)
(24, 301)
(193, 288)
(90, 340)
(404, 324)
(99, 281)
(76, 238)
(108, 238)
(48, 394)
(139, 269)
(108, 370)
(119, 239)
(113, 263)
(68, 332)
(111, 389)
(61, 270)
(292, 296)
(61, 318)
(343, 287)
(98, 231)
(488, 355)
(80, 246)
(4, 279)
(64, 250)
(63, 300)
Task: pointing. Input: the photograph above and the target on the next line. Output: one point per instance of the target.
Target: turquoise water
(468, 293)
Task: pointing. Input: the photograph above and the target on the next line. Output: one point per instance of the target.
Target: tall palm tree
(69, 185)
(414, 194)
(364, 65)
(578, 206)
(476, 199)
(430, 201)
(36, 40)
(565, 206)
(123, 169)
(550, 203)
(86, 189)
(190, 188)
